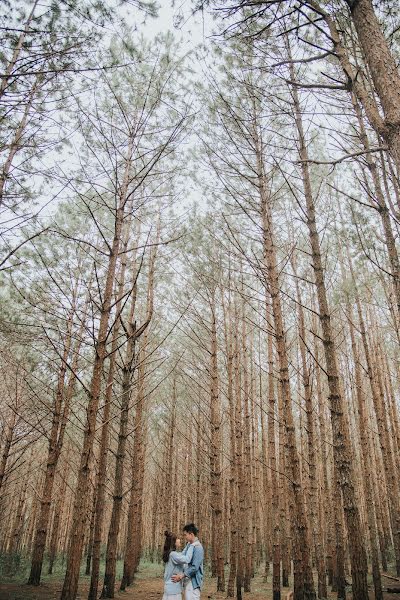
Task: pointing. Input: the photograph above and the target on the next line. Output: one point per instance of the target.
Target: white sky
(192, 30)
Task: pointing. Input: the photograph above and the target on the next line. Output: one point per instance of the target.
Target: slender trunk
(55, 446)
(133, 537)
(319, 550)
(55, 533)
(382, 209)
(276, 534)
(378, 402)
(381, 64)
(233, 497)
(340, 577)
(7, 447)
(341, 436)
(70, 586)
(101, 478)
(241, 513)
(247, 475)
(111, 553)
(215, 455)
(365, 455)
(304, 585)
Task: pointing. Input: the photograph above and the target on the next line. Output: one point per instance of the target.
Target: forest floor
(149, 586)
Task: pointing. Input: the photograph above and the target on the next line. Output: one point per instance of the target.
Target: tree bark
(70, 586)
(342, 452)
(215, 454)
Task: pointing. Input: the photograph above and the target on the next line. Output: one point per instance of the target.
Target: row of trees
(238, 365)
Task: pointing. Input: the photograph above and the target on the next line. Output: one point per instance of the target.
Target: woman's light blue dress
(174, 566)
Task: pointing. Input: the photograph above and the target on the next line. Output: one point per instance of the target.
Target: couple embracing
(183, 570)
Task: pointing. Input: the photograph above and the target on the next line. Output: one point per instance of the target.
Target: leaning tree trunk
(383, 68)
(383, 210)
(381, 64)
(15, 144)
(5, 453)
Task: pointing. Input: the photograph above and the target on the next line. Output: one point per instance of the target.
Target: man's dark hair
(191, 528)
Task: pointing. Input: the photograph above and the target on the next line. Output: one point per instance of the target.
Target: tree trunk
(276, 534)
(70, 586)
(341, 445)
(304, 586)
(215, 455)
(383, 68)
(319, 550)
(55, 446)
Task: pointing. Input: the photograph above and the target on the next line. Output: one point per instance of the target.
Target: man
(192, 575)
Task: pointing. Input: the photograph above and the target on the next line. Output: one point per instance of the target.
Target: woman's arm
(180, 558)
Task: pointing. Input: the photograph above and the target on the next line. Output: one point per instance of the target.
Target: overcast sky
(192, 30)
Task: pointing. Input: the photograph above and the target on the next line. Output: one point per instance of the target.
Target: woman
(174, 563)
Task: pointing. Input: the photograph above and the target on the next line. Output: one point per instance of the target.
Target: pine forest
(199, 299)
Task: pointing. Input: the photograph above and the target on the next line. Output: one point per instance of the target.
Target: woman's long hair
(169, 545)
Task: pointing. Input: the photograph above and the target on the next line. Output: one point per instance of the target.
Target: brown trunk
(383, 68)
(381, 64)
(215, 456)
(366, 474)
(247, 474)
(59, 421)
(328, 511)
(89, 548)
(378, 402)
(241, 513)
(70, 586)
(58, 515)
(134, 529)
(365, 452)
(339, 584)
(276, 533)
(382, 209)
(304, 585)
(101, 478)
(317, 534)
(233, 497)
(341, 444)
(111, 552)
(7, 447)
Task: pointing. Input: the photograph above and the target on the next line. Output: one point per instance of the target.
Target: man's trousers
(190, 593)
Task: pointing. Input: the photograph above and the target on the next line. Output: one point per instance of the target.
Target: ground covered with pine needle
(149, 586)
